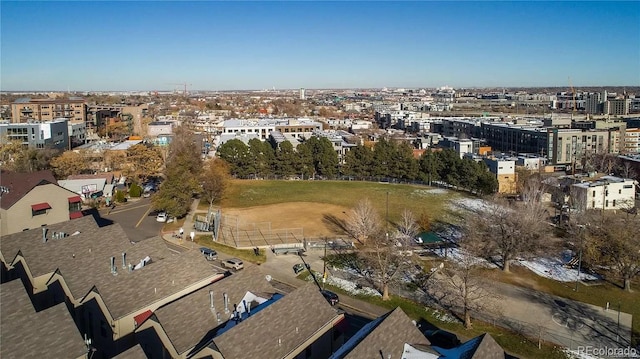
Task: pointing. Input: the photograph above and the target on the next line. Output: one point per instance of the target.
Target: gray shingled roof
(194, 308)
(389, 338)
(84, 260)
(487, 348)
(25, 333)
(279, 328)
(135, 352)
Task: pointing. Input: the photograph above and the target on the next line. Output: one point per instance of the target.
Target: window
(614, 202)
(594, 193)
(606, 204)
(75, 207)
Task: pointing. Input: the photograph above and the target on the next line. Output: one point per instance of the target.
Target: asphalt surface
(136, 219)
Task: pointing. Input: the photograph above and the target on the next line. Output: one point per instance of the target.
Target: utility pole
(580, 255)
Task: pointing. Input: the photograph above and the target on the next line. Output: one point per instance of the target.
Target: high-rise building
(302, 94)
(593, 104)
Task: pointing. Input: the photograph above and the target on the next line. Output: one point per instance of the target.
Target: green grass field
(248, 193)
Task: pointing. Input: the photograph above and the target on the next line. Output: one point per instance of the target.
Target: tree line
(316, 157)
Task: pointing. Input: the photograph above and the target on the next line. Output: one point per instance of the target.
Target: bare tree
(613, 241)
(384, 261)
(508, 230)
(460, 287)
(407, 227)
(363, 221)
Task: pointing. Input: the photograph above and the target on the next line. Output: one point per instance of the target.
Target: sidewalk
(187, 226)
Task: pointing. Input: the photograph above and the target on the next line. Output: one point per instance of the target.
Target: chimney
(226, 302)
(44, 234)
(124, 260)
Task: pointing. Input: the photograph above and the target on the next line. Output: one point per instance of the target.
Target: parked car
(330, 296)
(161, 217)
(233, 263)
(297, 268)
(209, 253)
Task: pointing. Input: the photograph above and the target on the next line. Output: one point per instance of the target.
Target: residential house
(606, 192)
(27, 333)
(480, 347)
(209, 312)
(300, 325)
(30, 200)
(108, 282)
(389, 336)
(87, 188)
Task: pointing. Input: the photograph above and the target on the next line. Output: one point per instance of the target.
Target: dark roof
(195, 310)
(389, 337)
(135, 352)
(280, 328)
(19, 184)
(480, 347)
(25, 333)
(84, 262)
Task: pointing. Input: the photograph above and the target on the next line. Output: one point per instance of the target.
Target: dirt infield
(306, 215)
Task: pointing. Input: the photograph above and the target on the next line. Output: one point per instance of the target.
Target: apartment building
(50, 134)
(99, 115)
(631, 141)
(298, 128)
(73, 109)
(607, 192)
(561, 146)
(617, 107)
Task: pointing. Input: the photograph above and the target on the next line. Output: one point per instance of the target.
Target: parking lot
(136, 218)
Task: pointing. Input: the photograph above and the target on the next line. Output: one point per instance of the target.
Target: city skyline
(147, 46)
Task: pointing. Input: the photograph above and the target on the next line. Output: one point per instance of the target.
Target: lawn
(249, 193)
(594, 294)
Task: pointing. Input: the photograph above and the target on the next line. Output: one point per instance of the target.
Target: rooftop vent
(113, 266)
(44, 234)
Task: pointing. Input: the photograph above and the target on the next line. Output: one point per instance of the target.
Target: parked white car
(161, 217)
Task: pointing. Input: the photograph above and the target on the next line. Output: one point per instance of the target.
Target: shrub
(119, 196)
(135, 190)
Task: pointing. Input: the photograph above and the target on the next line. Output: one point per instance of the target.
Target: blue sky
(254, 45)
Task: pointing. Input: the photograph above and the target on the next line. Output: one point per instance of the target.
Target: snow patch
(352, 288)
(553, 268)
(469, 204)
(442, 316)
(429, 192)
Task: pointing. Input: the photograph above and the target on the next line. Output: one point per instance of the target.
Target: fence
(235, 232)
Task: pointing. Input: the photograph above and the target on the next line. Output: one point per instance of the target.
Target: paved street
(136, 218)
